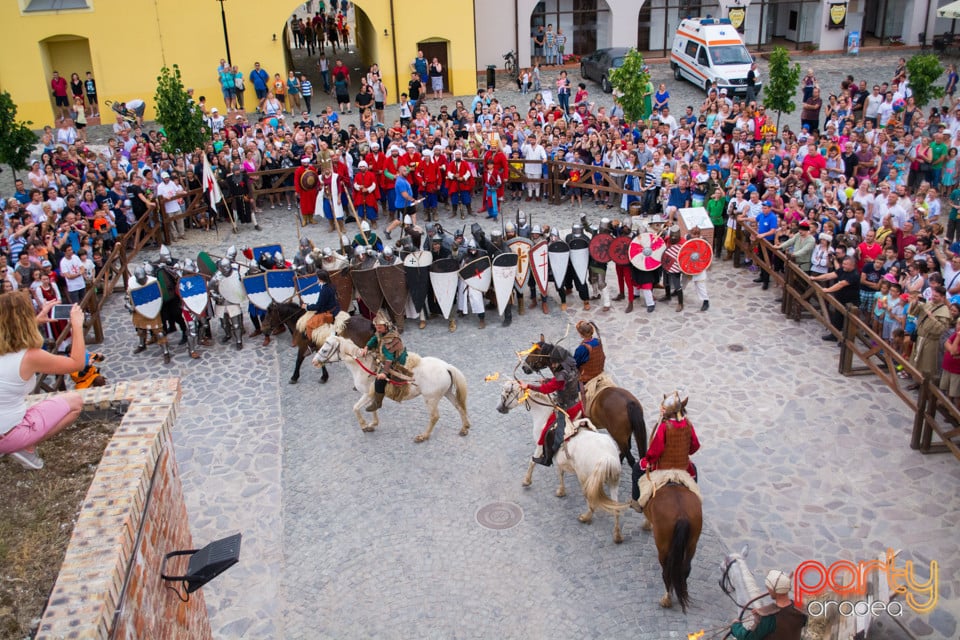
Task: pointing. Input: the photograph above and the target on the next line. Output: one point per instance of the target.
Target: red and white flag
(210, 184)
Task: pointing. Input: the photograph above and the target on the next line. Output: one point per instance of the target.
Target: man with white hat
(779, 620)
(429, 177)
(459, 184)
(365, 193)
(171, 192)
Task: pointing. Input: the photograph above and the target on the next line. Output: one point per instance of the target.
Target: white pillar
(624, 15)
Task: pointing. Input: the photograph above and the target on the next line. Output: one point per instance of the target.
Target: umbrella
(951, 10)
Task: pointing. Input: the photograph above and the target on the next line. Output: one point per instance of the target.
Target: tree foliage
(181, 120)
(923, 70)
(780, 90)
(17, 140)
(629, 83)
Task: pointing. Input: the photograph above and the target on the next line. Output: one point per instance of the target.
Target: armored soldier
(331, 261)
(303, 260)
(624, 274)
(238, 189)
(672, 276)
(570, 279)
(388, 257)
(367, 238)
(436, 231)
(469, 299)
(523, 226)
(225, 291)
(167, 272)
(564, 388)
(198, 324)
(144, 324)
(496, 246)
(389, 350)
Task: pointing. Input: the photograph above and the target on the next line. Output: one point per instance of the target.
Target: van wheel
(676, 72)
(605, 85)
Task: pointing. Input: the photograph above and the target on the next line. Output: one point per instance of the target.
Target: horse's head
(509, 396)
(537, 357)
(271, 319)
(329, 352)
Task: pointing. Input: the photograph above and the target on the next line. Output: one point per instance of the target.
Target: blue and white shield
(270, 249)
(309, 288)
(193, 292)
(256, 288)
(280, 284)
(147, 299)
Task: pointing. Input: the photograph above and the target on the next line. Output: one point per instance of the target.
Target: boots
(680, 300)
(225, 323)
(520, 309)
(544, 307)
(469, 211)
(666, 294)
(142, 346)
(452, 325)
(236, 327)
(376, 403)
(483, 322)
(507, 316)
(619, 298)
(629, 307)
(705, 305)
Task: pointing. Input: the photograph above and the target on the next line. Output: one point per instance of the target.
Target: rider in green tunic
(388, 348)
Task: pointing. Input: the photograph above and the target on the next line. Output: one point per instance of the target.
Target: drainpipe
(926, 26)
(516, 29)
(396, 69)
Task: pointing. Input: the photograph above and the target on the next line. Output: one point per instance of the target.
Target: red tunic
(390, 169)
(430, 175)
(551, 385)
(500, 166)
(308, 197)
(461, 176)
(412, 160)
(365, 180)
(656, 446)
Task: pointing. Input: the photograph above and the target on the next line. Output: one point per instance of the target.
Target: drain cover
(499, 515)
(735, 347)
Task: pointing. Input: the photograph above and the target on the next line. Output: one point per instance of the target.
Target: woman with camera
(21, 359)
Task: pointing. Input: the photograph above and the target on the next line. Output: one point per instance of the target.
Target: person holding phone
(21, 359)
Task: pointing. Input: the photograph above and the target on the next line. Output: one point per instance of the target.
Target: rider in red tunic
(565, 384)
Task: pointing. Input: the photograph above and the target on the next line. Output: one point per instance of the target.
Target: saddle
(649, 483)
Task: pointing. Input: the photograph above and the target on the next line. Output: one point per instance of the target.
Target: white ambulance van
(708, 50)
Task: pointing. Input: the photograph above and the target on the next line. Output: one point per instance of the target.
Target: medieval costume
(307, 190)
(389, 350)
(565, 386)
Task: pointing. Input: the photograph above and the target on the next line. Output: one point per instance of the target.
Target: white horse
(432, 378)
(593, 456)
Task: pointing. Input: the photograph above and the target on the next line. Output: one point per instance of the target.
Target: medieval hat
(382, 318)
(778, 582)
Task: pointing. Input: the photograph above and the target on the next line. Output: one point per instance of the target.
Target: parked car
(597, 65)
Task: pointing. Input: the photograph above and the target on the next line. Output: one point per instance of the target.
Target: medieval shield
(147, 299)
(193, 292)
(600, 247)
(257, 292)
(540, 265)
(269, 249)
(558, 253)
(417, 267)
(308, 288)
(309, 180)
(368, 288)
(477, 274)
(646, 251)
(620, 250)
(393, 286)
(343, 284)
(231, 289)
(580, 257)
(695, 257)
(206, 263)
(281, 285)
(443, 278)
(168, 283)
(521, 247)
(504, 271)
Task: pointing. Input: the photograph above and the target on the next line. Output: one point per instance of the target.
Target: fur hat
(778, 582)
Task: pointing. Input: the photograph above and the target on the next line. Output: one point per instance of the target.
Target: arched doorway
(586, 23)
(65, 54)
(440, 49)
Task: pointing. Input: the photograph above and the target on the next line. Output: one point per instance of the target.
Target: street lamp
(226, 38)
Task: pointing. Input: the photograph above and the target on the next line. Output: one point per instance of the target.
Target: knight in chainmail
(564, 388)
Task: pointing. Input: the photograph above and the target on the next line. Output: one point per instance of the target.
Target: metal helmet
(496, 233)
(327, 252)
(140, 275)
(359, 251)
(304, 243)
(672, 404)
(232, 252)
(578, 229)
(437, 229)
(627, 222)
(225, 266)
(148, 269)
(189, 265)
(555, 233)
(537, 229)
(472, 244)
(388, 252)
(511, 228)
(165, 254)
(365, 226)
(407, 219)
(521, 218)
(265, 260)
(458, 233)
(278, 259)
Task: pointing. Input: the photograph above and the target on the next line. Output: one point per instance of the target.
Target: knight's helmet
(365, 226)
(577, 229)
(278, 259)
(165, 256)
(382, 318)
(672, 405)
(189, 266)
(674, 234)
(265, 261)
(627, 223)
(388, 252)
(511, 229)
(148, 269)
(140, 275)
(521, 218)
(232, 252)
(225, 267)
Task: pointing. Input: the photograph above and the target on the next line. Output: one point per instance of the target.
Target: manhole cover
(499, 515)
(735, 347)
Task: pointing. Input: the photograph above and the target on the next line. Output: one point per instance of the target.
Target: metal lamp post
(226, 38)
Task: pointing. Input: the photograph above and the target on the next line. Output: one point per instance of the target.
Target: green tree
(629, 82)
(17, 140)
(778, 94)
(923, 70)
(181, 121)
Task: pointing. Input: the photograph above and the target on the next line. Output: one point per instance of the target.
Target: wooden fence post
(787, 281)
(847, 338)
(919, 418)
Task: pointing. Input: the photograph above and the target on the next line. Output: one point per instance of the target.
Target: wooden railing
(859, 343)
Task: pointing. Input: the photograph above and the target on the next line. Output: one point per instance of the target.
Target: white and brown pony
(593, 456)
(432, 378)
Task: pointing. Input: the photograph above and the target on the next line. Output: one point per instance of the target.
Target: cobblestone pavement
(349, 534)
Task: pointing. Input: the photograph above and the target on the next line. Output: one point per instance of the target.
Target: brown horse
(675, 514)
(357, 329)
(614, 408)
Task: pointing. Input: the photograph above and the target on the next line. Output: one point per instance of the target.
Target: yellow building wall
(128, 43)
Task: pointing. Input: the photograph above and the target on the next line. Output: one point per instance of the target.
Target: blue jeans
(564, 99)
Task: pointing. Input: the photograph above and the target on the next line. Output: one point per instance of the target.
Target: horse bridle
(283, 321)
(336, 350)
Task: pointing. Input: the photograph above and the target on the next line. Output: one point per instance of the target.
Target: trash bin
(492, 75)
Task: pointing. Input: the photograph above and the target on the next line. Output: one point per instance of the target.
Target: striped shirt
(670, 258)
(306, 88)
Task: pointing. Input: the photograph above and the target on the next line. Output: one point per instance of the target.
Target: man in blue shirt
(766, 228)
(260, 79)
(403, 200)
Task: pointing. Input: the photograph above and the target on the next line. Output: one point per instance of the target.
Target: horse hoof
(421, 438)
(294, 380)
(585, 519)
(464, 431)
(561, 493)
(617, 538)
(647, 526)
(367, 429)
(526, 483)
(666, 602)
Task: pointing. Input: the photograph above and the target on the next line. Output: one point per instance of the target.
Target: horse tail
(676, 567)
(606, 471)
(459, 383)
(637, 426)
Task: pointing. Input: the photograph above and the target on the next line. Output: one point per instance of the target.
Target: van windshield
(731, 54)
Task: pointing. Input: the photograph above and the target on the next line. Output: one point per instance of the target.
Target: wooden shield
(521, 247)
(580, 257)
(600, 247)
(620, 250)
(368, 288)
(393, 286)
(558, 254)
(443, 279)
(695, 257)
(646, 251)
(342, 282)
(206, 263)
(417, 268)
(504, 268)
(477, 274)
(309, 180)
(540, 265)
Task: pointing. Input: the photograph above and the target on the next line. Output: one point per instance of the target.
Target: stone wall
(135, 494)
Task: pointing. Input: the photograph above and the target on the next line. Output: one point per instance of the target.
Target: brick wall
(86, 597)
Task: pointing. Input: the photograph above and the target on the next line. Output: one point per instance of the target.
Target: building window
(55, 5)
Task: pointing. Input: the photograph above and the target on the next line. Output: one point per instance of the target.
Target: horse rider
(779, 620)
(565, 386)
(674, 441)
(589, 356)
(388, 349)
(229, 312)
(143, 324)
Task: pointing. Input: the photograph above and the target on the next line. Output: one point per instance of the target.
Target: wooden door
(436, 50)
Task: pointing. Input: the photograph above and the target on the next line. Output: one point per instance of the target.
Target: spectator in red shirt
(59, 86)
(813, 164)
(339, 67)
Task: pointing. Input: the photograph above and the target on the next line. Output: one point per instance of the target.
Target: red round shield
(646, 251)
(600, 247)
(620, 250)
(695, 257)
